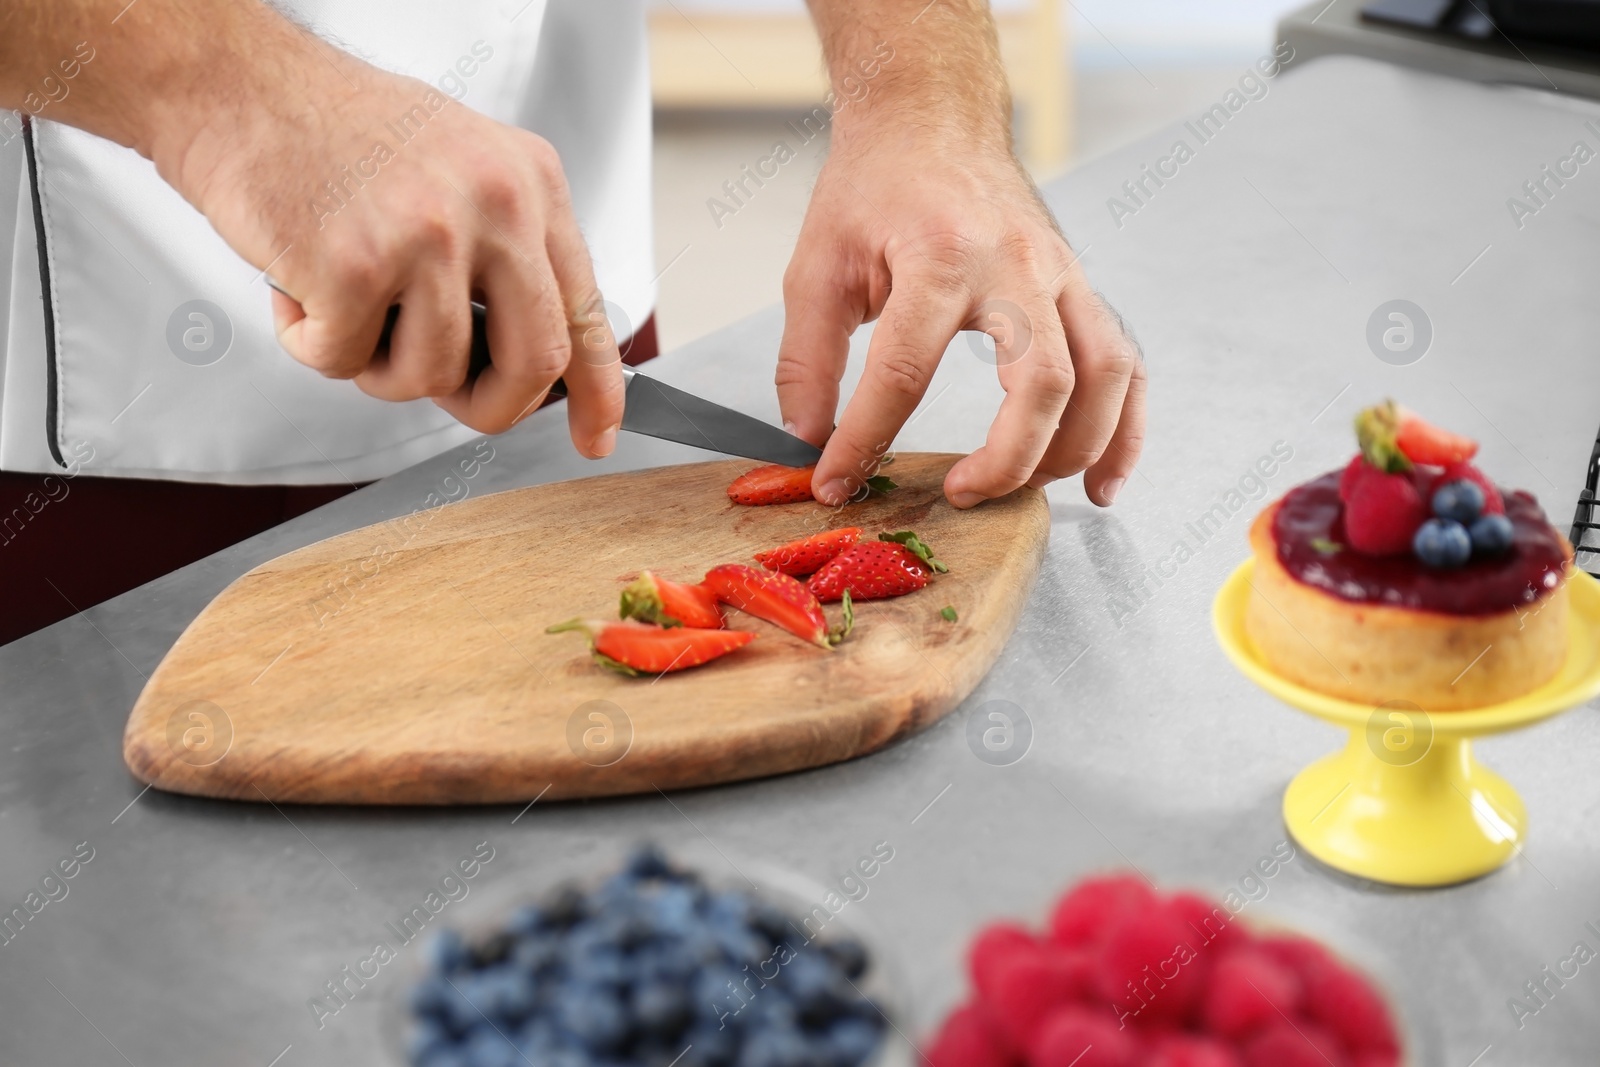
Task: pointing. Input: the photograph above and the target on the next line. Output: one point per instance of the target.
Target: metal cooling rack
(1585, 534)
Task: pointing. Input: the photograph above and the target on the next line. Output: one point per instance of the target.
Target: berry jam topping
(1312, 546)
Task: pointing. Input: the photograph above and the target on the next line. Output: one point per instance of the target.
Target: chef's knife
(658, 410)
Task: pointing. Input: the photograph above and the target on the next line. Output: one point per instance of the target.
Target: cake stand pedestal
(1405, 802)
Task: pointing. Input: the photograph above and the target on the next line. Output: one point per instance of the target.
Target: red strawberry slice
(1190, 1050)
(1076, 1037)
(969, 1038)
(641, 648)
(651, 598)
(893, 565)
(807, 555)
(1423, 442)
(1249, 989)
(1087, 912)
(1393, 439)
(1382, 513)
(772, 484)
(872, 570)
(994, 945)
(1493, 502)
(777, 598)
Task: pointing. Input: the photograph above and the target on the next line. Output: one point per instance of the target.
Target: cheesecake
(1409, 578)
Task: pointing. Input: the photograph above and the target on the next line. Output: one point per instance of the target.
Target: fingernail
(835, 492)
(605, 443)
(966, 500)
(1109, 491)
(788, 428)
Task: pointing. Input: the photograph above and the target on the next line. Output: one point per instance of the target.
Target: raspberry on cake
(1409, 576)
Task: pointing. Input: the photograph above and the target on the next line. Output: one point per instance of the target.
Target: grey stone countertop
(199, 931)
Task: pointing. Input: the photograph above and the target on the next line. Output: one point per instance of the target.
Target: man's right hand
(357, 189)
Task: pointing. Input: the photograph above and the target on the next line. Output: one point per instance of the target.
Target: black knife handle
(478, 357)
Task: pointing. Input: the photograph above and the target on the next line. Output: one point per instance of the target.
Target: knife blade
(655, 409)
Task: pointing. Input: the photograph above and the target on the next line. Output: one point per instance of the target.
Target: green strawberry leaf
(641, 601)
(947, 613)
(917, 545)
(1325, 546)
(881, 483)
(616, 665)
(840, 632)
(1376, 428)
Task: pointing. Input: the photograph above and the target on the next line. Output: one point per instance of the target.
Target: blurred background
(1088, 76)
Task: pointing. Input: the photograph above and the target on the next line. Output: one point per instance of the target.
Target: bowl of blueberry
(649, 965)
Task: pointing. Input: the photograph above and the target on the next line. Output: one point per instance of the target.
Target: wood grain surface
(407, 663)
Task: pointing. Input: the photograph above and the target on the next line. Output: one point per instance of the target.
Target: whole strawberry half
(1423, 442)
(893, 565)
(643, 648)
(807, 555)
(777, 598)
(652, 598)
(1382, 513)
(772, 484)
(1393, 438)
(776, 484)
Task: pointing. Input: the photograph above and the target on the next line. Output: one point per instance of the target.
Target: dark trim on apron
(52, 430)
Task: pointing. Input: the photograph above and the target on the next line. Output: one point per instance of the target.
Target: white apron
(158, 357)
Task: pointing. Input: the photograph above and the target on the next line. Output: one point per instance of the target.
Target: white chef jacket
(154, 355)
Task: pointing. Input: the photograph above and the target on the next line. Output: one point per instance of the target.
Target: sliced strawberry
(893, 565)
(651, 598)
(1393, 438)
(775, 597)
(807, 555)
(871, 570)
(1493, 502)
(772, 484)
(1423, 442)
(642, 648)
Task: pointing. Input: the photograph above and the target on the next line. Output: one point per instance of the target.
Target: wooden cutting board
(407, 663)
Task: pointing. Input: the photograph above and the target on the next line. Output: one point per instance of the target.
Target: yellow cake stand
(1405, 802)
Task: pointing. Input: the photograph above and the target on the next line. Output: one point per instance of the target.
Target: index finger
(595, 388)
(922, 315)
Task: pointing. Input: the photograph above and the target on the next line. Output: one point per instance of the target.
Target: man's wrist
(936, 78)
(246, 65)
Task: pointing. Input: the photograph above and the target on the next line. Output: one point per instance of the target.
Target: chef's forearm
(143, 74)
(944, 74)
